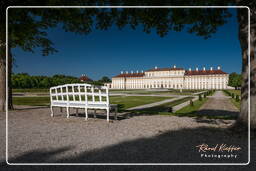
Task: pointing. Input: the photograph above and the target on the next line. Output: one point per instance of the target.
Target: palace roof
(130, 75)
(84, 78)
(164, 69)
(205, 72)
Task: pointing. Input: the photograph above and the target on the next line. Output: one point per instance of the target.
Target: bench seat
(83, 96)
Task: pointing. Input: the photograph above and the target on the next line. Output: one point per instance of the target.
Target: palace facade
(173, 78)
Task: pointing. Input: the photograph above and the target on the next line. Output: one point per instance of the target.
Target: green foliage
(205, 94)
(191, 103)
(237, 98)
(232, 95)
(200, 97)
(235, 80)
(24, 80)
(105, 79)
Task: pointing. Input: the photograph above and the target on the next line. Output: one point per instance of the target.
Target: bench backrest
(80, 93)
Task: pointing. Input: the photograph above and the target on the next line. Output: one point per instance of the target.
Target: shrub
(191, 103)
(237, 98)
(200, 97)
(232, 95)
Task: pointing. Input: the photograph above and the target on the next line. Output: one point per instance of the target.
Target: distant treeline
(24, 80)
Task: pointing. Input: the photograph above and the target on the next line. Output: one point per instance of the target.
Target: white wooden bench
(81, 96)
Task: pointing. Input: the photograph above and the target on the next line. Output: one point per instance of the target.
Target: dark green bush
(237, 98)
(200, 97)
(191, 103)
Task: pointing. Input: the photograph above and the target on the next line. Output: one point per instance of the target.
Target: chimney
(137, 71)
(174, 66)
(189, 69)
(196, 69)
(218, 67)
(204, 68)
(211, 68)
(155, 67)
(122, 72)
(132, 72)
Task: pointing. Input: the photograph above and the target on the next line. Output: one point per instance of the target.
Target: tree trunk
(242, 15)
(2, 75)
(10, 60)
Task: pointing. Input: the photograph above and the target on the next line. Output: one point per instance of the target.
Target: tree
(235, 80)
(26, 30)
(105, 79)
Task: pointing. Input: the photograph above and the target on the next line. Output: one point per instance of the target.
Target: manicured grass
(191, 109)
(169, 92)
(163, 109)
(31, 101)
(31, 90)
(237, 104)
(124, 102)
(233, 100)
(236, 92)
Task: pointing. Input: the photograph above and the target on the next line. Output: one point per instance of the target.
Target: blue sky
(106, 53)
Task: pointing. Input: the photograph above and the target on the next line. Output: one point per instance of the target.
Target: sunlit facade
(171, 78)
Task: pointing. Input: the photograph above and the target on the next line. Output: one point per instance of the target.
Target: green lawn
(170, 92)
(191, 111)
(31, 101)
(233, 100)
(124, 102)
(31, 90)
(236, 92)
(163, 109)
(237, 104)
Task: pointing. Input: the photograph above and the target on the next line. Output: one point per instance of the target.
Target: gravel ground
(36, 137)
(218, 104)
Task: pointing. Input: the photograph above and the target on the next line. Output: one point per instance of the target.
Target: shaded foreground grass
(164, 109)
(124, 102)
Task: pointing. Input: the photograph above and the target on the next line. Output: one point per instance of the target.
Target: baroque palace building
(173, 78)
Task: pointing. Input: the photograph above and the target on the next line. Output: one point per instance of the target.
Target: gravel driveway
(217, 105)
(36, 137)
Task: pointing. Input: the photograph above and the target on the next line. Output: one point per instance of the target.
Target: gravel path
(36, 137)
(218, 105)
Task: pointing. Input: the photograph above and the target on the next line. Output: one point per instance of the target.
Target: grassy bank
(164, 109)
(235, 97)
(188, 110)
(31, 90)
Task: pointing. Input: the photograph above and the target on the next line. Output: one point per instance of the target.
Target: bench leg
(86, 114)
(94, 114)
(76, 112)
(108, 114)
(52, 111)
(61, 109)
(67, 112)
